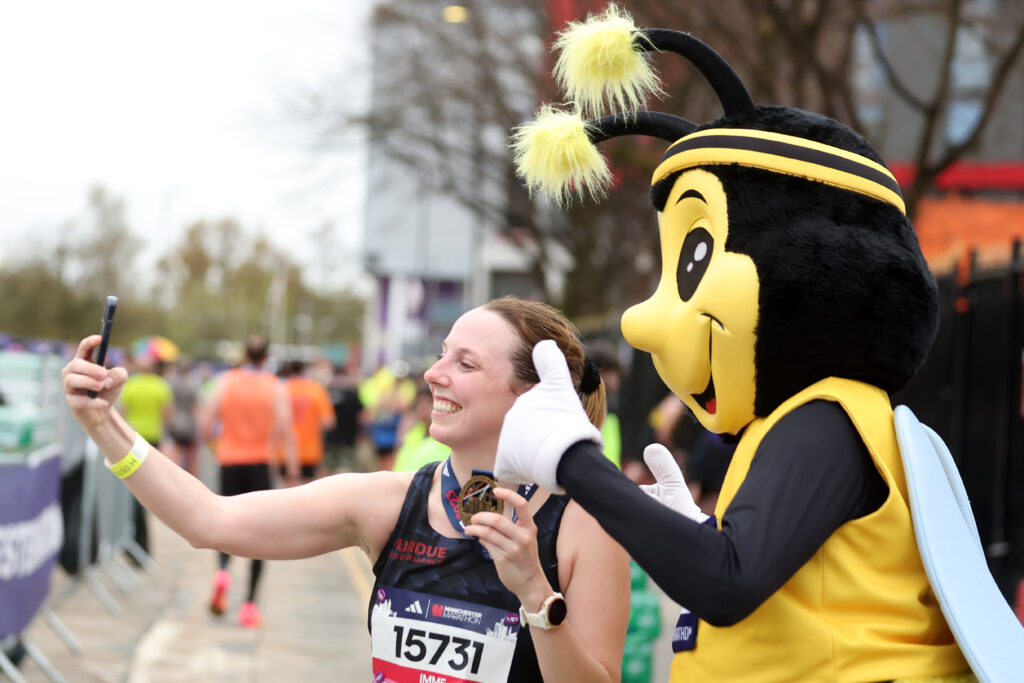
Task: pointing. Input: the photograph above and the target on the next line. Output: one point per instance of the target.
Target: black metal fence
(969, 391)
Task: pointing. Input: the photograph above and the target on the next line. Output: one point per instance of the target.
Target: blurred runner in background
(148, 405)
(312, 415)
(340, 442)
(253, 411)
(417, 447)
(183, 427)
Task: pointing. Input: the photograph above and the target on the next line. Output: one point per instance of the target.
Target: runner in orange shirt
(312, 415)
(252, 409)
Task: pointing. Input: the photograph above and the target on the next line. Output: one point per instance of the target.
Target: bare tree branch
(992, 94)
(934, 108)
(895, 82)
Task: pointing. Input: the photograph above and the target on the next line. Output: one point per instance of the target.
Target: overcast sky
(178, 109)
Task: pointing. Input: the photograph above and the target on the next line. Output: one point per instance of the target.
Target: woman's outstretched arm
(282, 524)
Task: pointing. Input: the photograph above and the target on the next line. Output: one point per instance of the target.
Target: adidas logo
(415, 608)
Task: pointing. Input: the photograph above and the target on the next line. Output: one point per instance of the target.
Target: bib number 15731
(414, 644)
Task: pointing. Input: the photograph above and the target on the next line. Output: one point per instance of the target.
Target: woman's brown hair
(532, 322)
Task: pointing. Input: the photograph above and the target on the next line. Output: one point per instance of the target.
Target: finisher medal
(476, 496)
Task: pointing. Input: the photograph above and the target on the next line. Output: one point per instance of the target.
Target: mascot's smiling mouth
(706, 399)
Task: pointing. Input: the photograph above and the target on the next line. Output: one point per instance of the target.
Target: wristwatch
(551, 615)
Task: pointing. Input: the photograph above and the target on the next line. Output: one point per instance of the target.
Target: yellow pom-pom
(598, 64)
(554, 155)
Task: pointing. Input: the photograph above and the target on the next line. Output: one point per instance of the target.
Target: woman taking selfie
(473, 581)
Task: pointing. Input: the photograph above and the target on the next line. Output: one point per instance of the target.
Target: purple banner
(31, 534)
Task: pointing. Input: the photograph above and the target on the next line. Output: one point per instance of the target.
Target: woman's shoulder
(579, 534)
(371, 501)
(578, 520)
(571, 516)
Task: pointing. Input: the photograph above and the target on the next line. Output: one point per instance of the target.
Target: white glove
(671, 488)
(542, 424)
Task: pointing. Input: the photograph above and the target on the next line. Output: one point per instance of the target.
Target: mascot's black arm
(810, 474)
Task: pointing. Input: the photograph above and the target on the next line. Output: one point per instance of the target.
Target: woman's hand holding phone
(89, 388)
(84, 379)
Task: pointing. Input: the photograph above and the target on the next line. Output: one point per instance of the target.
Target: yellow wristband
(126, 466)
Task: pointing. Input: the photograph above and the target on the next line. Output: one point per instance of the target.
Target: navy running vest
(422, 575)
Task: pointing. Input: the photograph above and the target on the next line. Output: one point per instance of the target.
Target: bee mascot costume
(793, 301)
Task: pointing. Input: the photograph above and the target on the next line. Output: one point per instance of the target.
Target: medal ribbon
(450, 490)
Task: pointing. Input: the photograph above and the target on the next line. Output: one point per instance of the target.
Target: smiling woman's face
(699, 326)
(472, 383)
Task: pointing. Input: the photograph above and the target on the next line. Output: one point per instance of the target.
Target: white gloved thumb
(663, 465)
(671, 488)
(543, 423)
(550, 363)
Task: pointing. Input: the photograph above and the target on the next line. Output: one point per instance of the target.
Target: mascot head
(787, 256)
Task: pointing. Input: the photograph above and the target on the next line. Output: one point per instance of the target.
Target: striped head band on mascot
(793, 301)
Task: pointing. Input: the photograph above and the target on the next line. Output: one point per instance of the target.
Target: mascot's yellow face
(699, 326)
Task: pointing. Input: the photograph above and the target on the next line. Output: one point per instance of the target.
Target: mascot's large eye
(694, 257)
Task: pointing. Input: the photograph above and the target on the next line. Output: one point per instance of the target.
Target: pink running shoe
(249, 616)
(221, 584)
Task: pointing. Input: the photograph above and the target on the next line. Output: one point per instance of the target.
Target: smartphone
(106, 324)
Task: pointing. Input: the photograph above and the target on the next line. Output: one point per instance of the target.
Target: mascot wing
(985, 627)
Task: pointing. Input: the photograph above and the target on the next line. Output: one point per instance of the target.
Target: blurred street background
(336, 176)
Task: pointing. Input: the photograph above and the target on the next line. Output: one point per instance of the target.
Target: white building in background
(431, 256)
(411, 310)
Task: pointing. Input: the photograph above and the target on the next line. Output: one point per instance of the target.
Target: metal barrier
(107, 516)
(38, 436)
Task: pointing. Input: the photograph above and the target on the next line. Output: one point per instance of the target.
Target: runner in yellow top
(148, 405)
(147, 399)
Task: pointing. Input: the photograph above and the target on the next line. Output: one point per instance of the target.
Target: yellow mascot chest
(861, 608)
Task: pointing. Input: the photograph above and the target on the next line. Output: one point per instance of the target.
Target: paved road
(314, 614)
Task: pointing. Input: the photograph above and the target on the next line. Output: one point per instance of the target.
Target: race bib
(421, 638)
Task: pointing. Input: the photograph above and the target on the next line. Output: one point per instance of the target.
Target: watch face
(557, 611)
